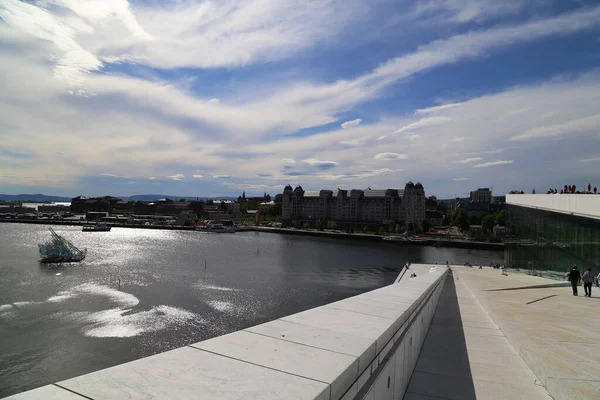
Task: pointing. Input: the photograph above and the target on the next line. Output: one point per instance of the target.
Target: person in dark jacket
(574, 278)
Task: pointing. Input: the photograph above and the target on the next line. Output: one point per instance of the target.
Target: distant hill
(152, 197)
(41, 198)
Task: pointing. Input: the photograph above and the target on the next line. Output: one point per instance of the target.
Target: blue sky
(208, 98)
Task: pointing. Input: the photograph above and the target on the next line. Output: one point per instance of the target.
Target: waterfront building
(481, 195)
(549, 232)
(434, 218)
(387, 206)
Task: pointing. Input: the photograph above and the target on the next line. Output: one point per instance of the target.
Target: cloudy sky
(194, 97)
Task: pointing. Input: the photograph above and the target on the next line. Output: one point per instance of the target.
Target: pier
(449, 333)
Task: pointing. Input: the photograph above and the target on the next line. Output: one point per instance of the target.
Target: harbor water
(140, 292)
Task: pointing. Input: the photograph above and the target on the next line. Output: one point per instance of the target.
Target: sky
(210, 98)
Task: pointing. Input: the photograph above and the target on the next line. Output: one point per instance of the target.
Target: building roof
(583, 205)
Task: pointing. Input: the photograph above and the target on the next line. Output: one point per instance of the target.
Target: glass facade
(551, 241)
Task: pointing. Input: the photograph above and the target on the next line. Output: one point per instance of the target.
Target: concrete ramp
(466, 356)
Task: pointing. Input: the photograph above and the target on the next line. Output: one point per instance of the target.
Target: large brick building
(388, 206)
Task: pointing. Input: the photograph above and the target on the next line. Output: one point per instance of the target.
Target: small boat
(216, 228)
(96, 228)
(59, 249)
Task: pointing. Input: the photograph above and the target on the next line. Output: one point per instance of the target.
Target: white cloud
(362, 141)
(221, 176)
(462, 11)
(520, 111)
(288, 161)
(461, 179)
(358, 175)
(175, 34)
(351, 124)
(580, 125)
(469, 160)
(313, 162)
(176, 177)
(458, 140)
(492, 164)
(390, 156)
(130, 129)
(436, 109)
(475, 44)
(249, 186)
(214, 101)
(197, 176)
(586, 160)
(481, 152)
(423, 123)
(115, 176)
(151, 178)
(71, 60)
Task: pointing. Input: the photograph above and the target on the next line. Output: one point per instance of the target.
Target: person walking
(574, 278)
(588, 279)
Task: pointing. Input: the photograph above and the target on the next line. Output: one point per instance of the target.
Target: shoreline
(379, 238)
(301, 232)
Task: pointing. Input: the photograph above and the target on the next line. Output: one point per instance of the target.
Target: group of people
(407, 266)
(565, 190)
(573, 189)
(574, 276)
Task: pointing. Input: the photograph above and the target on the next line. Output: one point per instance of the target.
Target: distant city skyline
(213, 98)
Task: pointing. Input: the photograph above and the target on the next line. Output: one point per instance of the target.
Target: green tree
(332, 225)
(305, 225)
(382, 231)
(196, 207)
(488, 222)
(500, 217)
(398, 228)
(278, 198)
(319, 225)
(447, 220)
(460, 218)
(474, 219)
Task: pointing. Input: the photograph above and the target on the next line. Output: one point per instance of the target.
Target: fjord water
(141, 291)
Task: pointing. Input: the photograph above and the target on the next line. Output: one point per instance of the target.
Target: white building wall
(586, 205)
